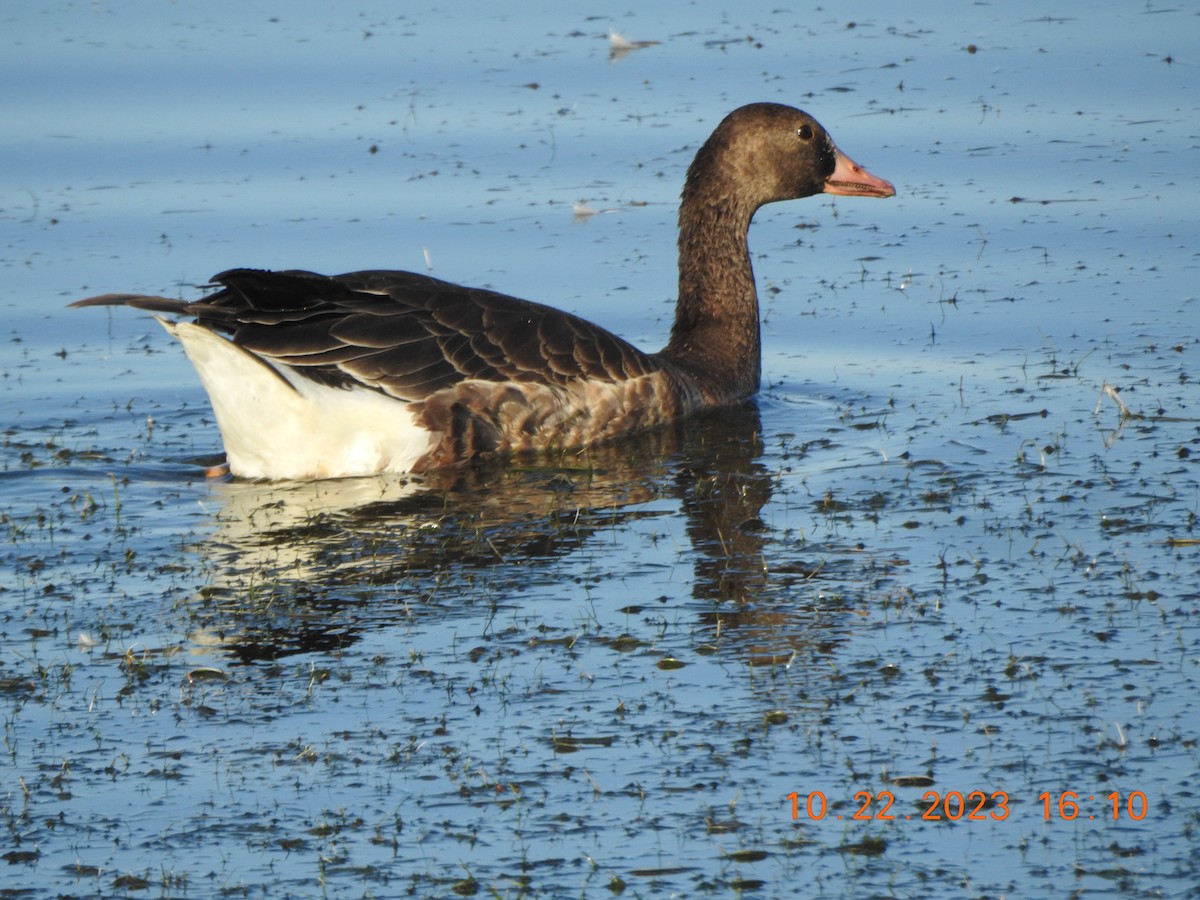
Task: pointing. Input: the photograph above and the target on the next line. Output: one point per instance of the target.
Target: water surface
(936, 556)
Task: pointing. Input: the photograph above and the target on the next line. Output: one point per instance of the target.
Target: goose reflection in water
(304, 567)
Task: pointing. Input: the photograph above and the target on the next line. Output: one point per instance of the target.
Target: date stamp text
(974, 806)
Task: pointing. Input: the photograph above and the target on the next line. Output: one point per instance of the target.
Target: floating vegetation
(952, 553)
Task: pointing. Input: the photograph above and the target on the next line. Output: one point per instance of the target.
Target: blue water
(935, 549)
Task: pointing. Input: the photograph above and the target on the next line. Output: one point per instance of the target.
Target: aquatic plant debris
(935, 593)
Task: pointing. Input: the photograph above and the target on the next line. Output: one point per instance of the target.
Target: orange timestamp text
(975, 806)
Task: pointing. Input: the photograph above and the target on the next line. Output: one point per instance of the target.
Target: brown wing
(404, 333)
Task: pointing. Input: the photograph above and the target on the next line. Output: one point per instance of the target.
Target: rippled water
(936, 557)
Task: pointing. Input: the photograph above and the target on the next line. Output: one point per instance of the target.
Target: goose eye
(805, 132)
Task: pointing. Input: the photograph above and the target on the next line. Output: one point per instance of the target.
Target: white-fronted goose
(318, 376)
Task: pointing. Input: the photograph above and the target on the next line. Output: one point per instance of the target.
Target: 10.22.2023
(977, 806)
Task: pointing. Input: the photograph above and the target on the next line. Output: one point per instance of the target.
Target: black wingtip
(136, 301)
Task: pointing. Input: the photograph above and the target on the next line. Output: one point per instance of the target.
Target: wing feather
(403, 333)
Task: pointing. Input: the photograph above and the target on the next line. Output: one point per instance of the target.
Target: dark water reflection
(313, 555)
(937, 554)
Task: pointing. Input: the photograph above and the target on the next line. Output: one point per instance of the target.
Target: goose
(322, 376)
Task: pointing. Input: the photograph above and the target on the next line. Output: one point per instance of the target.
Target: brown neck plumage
(716, 330)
